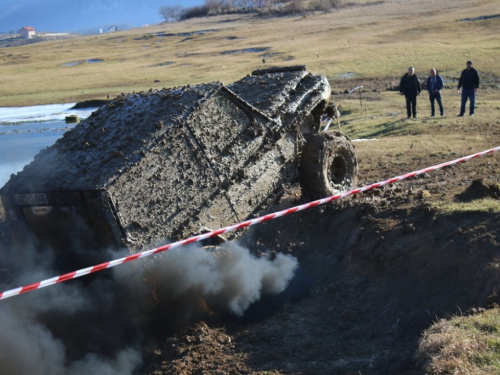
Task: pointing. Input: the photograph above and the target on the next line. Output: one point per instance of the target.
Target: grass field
(374, 42)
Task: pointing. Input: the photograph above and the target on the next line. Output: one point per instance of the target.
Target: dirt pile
(200, 349)
(479, 190)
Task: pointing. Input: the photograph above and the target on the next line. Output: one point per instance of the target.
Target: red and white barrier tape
(261, 219)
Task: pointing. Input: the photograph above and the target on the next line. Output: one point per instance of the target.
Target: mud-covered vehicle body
(162, 165)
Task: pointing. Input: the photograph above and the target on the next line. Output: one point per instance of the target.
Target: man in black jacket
(469, 81)
(410, 88)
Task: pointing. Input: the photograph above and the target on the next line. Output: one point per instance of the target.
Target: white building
(27, 32)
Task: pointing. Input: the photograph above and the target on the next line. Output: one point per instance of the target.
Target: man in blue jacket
(434, 85)
(469, 81)
(410, 88)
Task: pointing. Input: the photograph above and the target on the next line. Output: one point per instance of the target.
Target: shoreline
(91, 103)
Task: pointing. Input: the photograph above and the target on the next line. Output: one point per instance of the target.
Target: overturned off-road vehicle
(162, 165)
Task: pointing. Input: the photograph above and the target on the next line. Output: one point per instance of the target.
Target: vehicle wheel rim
(338, 170)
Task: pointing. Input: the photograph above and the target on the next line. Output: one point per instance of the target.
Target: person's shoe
(461, 115)
(415, 116)
(433, 115)
(472, 114)
(409, 116)
(442, 114)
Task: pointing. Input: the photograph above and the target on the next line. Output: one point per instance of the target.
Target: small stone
(425, 194)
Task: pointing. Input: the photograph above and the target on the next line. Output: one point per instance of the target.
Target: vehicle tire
(328, 165)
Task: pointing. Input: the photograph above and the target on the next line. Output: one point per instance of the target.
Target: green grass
(463, 345)
(384, 114)
(480, 205)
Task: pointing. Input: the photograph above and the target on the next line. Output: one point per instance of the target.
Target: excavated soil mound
(385, 269)
(479, 190)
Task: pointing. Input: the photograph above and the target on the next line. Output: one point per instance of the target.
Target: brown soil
(385, 267)
(478, 190)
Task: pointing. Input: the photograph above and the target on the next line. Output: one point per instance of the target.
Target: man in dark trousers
(410, 88)
(434, 85)
(469, 82)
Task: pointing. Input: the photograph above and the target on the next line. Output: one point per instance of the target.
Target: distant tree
(328, 4)
(296, 6)
(214, 6)
(337, 3)
(172, 13)
(272, 3)
(223, 6)
(244, 4)
(230, 5)
(198, 11)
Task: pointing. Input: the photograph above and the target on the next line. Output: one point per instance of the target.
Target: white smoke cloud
(230, 275)
(26, 346)
(78, 327)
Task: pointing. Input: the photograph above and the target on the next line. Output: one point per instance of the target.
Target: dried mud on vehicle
(167, 164)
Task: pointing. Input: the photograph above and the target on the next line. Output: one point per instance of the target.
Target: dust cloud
(96, 324)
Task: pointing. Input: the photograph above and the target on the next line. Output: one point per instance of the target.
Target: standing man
(469, 81)
(434, 85)
(410, 88)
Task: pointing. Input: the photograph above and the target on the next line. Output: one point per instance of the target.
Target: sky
(82, 15)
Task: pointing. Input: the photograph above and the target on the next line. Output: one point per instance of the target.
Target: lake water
(24, 131)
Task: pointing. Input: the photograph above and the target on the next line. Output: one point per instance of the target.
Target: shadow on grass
(389, 128)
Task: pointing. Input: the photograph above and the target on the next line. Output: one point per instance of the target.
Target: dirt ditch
(382, 274)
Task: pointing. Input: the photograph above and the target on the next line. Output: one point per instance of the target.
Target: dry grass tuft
(463, 345)
(481, 205)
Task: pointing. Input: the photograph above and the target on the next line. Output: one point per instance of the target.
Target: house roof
(29, 28)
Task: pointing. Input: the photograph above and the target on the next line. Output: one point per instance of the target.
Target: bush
(198, 11)
(327, 5)
(172, 13)
(296, 6)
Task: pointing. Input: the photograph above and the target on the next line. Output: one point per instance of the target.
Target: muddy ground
(384, 269)
(385, 265)
(376, 270)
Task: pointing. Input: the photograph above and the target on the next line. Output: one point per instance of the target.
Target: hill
(374, 43)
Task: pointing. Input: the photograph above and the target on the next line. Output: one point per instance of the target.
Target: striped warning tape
(261, 219)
